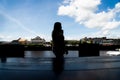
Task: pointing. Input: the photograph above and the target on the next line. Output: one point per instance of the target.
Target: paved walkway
(85, 68)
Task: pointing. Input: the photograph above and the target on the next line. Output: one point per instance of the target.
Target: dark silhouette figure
(58, 40)
(58, 48)
(58, 66)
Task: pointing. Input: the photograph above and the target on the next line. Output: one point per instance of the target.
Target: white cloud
(85, 12)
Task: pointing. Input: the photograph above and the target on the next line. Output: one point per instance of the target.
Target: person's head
(57, 26)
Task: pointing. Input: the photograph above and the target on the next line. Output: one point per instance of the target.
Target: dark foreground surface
(83, 68)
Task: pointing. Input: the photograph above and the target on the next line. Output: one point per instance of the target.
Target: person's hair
(57, 26)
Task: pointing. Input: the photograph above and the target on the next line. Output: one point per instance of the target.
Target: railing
(11, 51)
(83, 49)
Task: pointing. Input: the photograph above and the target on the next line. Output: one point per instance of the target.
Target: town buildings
(101, 41)
(34, 41)
(38, 40)
(41, 41)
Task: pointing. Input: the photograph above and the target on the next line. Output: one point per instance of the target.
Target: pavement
(74, 68)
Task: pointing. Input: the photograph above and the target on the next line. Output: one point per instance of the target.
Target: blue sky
(31, 18)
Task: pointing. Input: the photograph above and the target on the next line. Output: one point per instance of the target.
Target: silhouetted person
(58, 48)
(58, 40)
(58, 66)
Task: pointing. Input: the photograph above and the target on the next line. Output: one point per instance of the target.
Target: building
(38, 40)
(101, 41)
(19, 41)
(22, 41)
